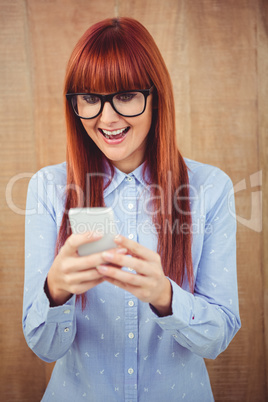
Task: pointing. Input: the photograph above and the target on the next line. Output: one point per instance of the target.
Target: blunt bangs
(109, 60)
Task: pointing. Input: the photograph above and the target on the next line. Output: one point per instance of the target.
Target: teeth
(115, 132)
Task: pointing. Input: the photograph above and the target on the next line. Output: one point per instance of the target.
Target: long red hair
(119, 54)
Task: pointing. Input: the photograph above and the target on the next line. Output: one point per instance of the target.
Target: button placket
(131, 306)
(130, 207)
(131, 343)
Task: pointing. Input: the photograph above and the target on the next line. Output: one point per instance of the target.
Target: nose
(108, 114)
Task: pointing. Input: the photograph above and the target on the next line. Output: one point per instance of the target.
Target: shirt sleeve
(205, 322)
(48, 331)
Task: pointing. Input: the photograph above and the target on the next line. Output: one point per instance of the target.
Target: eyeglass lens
(127, 103)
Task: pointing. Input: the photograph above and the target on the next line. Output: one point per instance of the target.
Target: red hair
(120, 54)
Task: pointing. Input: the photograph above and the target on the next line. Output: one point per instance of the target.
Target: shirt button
(131, 335)
(130, 206)
(67, 311)
(131, 303)
(130, 236)
(67, 329)
(130, 371)
(129, 178)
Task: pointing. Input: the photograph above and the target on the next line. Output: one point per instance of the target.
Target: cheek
(144, 121)
(149, 114)
(89, 127)
(147, 121)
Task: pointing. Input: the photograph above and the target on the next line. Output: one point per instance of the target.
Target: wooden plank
(17, 155)
(262, 66)
(224, 130)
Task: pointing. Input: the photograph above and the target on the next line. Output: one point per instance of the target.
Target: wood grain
(217, 55)
(262, 65)
(224, 130)
(17, 154)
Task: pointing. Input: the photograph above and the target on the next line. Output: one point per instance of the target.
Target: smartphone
(97, 219)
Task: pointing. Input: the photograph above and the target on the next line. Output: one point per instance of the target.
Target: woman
(133, 323)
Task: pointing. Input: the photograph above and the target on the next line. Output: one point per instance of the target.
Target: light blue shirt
(118, 349)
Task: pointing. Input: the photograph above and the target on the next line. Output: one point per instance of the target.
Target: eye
(126, 96)
(91, 99)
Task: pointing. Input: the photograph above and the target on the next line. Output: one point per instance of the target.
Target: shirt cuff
(182, 310)
(62, 313)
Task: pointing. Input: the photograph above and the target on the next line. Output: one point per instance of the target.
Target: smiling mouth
(115, 134)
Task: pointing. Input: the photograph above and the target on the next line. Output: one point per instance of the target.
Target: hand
(72, 274)
(149, 284)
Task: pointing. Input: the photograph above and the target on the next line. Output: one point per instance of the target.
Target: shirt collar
(120, 176)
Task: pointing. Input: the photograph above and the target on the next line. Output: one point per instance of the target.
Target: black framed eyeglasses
(125, 103)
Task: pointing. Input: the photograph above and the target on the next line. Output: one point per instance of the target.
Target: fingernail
(121, 250)
(102, 268)
(118, 238)
(95, 235)
(108, 255)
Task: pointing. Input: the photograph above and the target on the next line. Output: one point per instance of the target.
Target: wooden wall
(217, 55)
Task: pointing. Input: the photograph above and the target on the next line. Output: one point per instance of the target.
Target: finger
(140, 291)
(75, 240)
(117, 275)
(136, 249)
(130, 288)
(82, 277)
(91, 261)
(85, 286)
(80, 263)
(139, 265)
